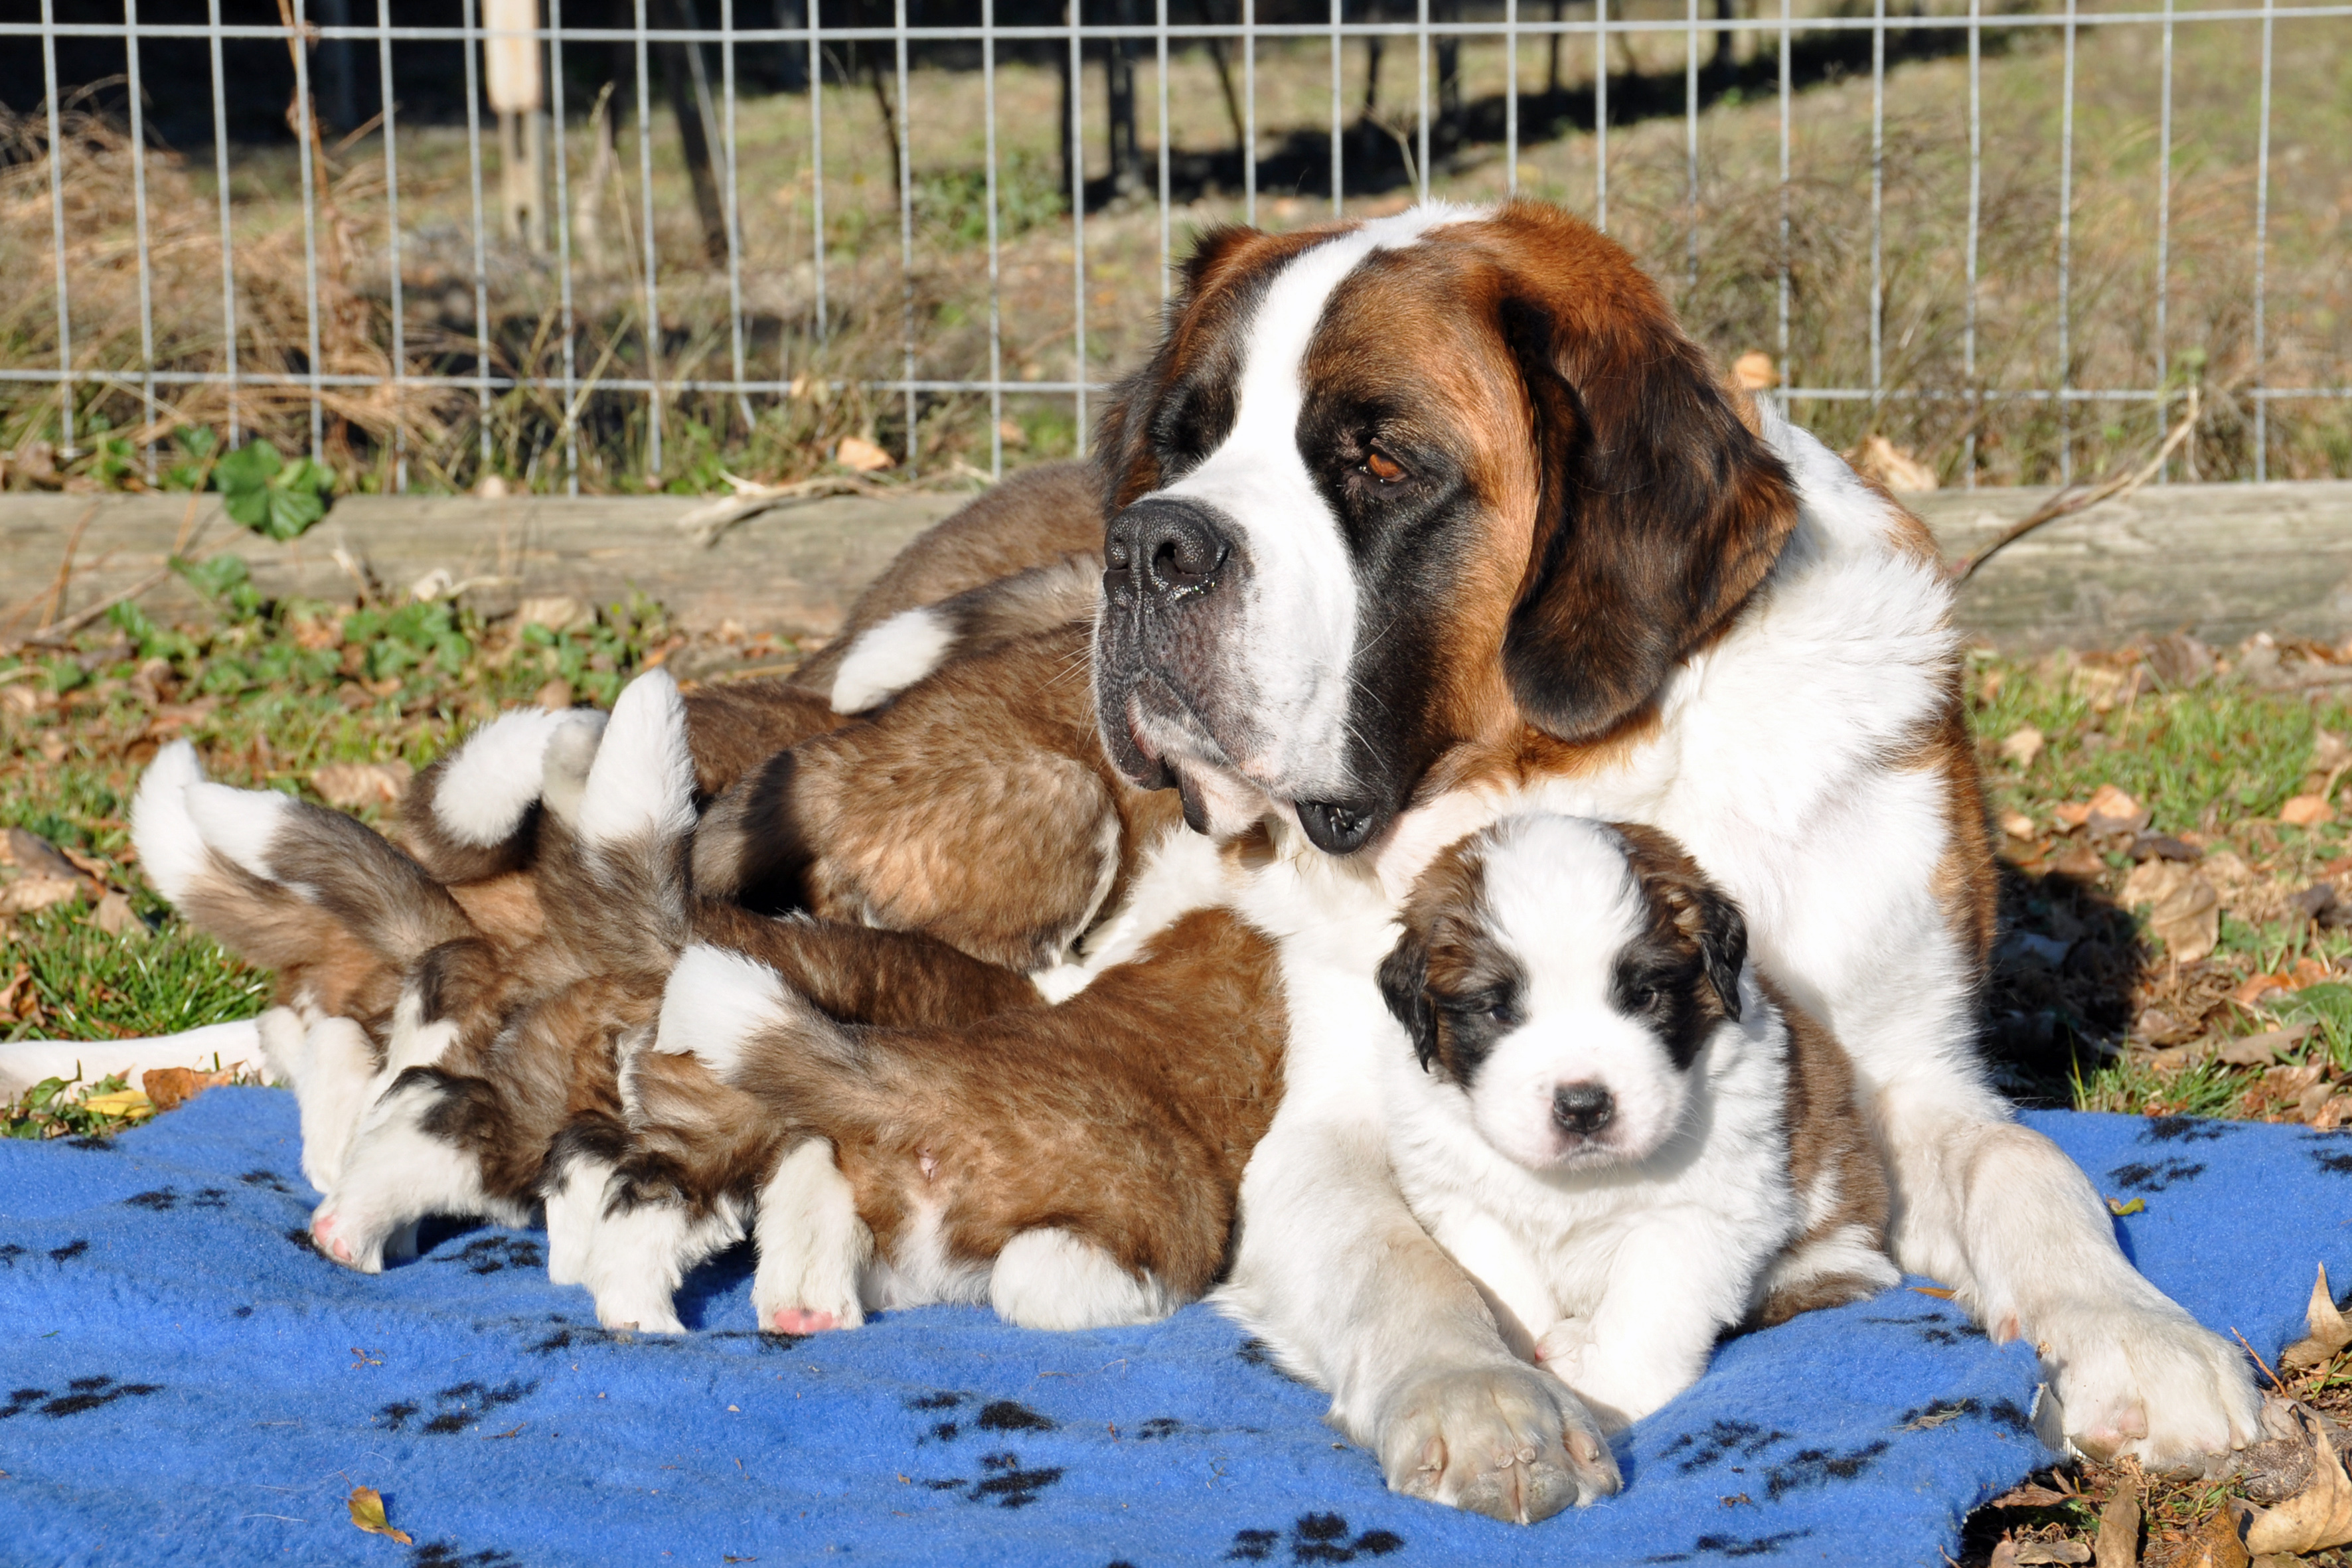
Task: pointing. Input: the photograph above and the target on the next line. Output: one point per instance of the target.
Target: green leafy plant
(194, 471)
(269, 495)
(226, 580)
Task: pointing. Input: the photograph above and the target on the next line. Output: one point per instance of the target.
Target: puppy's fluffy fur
(1034, 1159)
(1624, 1135)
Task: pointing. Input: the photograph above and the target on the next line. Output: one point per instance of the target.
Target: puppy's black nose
(1582, 1109)
(1165, 548)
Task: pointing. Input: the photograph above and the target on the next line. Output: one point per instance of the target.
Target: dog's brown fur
(1032, 518)
(979, 807)
(1032, 1118)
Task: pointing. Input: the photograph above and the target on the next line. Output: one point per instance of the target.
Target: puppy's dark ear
(1710, 918)
(1660, 512)
(1405, 986)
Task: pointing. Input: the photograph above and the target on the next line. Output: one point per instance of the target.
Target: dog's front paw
(2146, 1382)
(1507, 1441)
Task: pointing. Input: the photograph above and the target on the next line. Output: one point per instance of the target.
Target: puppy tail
(618, 828)
(474, 813)
(736, 1016)
(888, 658)
(254, 870)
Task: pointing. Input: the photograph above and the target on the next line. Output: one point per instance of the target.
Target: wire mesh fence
(614, 244)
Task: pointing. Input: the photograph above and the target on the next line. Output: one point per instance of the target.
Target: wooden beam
(792, 569)
(2222, 562)
(2219, 561)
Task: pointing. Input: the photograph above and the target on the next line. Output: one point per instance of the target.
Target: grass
(1717, 261)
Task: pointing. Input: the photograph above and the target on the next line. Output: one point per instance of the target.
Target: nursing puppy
(1072, 1165)
(1626, 1135)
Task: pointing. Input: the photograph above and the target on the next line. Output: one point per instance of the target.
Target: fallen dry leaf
(171, 1088)
(350, 786)
(2258, 986)
(2033, 1553)
(2024, 744)
(2214, 1545)
(2112, 811)
(367, 1512)
(2081, 862)
(555, 696)
(2306, 811)
(2153, 881)
(2261, 1050)
(2318, 1516)
(2072, 814)
(2017, 824)
(2118, 1542)
(2329, 1332)
(2004, 1554)
(862, 455)
(1753, 370)
(556, 612)
(39, 891)
(2309, 971)
(2189, 921)
(123, 1103)
(115, 917)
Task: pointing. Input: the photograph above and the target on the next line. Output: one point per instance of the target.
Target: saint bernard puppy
(1418, 522)
(1616, 1127)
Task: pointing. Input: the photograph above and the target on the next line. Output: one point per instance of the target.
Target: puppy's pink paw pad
(800, 1321)
(323, 1232)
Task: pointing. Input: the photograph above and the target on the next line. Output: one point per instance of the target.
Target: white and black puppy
(1610, 1119)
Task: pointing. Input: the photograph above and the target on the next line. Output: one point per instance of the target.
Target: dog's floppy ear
(1703, 912)
(1710, 918)
(1405, 986)
(1659, 510)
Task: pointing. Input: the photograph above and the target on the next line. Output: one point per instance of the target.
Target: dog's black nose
(1582, 1109)
(1165, 548)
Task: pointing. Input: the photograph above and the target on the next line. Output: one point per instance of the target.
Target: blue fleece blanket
(186, 1381)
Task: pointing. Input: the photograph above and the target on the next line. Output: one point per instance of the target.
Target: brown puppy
(1035, 1160)
(978, 807)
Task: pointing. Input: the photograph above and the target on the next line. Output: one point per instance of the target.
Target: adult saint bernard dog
(1422, 522)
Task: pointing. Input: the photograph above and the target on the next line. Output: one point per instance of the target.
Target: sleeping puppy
(1630, 1140)
(1036, 1160)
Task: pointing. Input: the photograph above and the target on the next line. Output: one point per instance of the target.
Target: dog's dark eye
(1382, 467)
(1644, 997)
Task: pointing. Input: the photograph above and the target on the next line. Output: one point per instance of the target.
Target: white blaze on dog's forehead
(495, 777)
(1301, 596)
(889, 657)
(641, 781)
(238, 824)
(1560, 893)
(716, 1000)
(171, 850)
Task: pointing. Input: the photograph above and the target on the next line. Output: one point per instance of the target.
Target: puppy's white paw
(573, 1207)
(395, 1174)
(2146, 1382)
(812, 1246)
(1507, 1441)
(337, 1079)
(639, 1256)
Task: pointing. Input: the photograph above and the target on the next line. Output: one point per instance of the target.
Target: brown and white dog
(1379, 596)
(1617, 1128)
